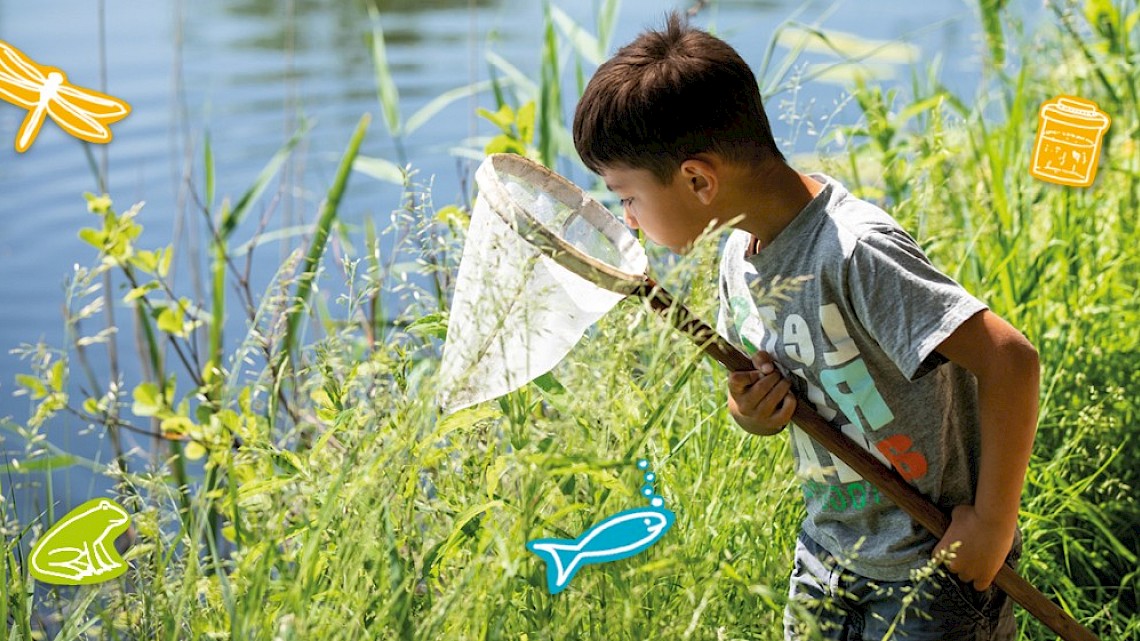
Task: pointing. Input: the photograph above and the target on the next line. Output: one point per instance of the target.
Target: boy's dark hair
(667, 96)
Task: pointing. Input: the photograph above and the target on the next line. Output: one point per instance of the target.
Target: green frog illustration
(75, 551)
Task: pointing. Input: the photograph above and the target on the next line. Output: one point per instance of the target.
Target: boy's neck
(769, 198)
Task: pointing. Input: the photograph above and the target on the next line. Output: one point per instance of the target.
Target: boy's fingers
(786, 409)
(749, 400)
(761, 357)
(775, 394)
(739, 381)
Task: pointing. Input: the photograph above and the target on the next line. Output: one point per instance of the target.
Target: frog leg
(79, 562)
(103, 559)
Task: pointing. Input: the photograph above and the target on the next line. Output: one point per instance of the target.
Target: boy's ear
(700, 176)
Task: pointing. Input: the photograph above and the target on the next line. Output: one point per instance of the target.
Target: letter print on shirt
(845, 385)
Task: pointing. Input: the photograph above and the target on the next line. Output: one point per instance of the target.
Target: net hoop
(546, 240)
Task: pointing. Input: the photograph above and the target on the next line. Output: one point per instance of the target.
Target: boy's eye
(625, 202)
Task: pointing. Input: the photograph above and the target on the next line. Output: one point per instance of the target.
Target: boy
(886, 347)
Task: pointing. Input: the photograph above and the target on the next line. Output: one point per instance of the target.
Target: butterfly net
(541, 263)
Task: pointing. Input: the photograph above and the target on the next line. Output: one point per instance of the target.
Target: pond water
(246, 70)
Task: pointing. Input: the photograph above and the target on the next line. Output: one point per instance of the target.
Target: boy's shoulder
(854, 218)
(829, 228)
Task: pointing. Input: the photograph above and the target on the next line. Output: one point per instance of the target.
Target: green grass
(341, 506)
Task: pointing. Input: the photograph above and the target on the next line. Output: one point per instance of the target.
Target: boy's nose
(630, 220)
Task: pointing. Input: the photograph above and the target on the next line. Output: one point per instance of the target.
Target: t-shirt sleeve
(904, 302)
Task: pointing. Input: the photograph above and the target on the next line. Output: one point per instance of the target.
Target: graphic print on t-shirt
(846, 394)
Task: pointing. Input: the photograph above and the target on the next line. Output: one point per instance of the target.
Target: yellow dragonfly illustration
(44, 91)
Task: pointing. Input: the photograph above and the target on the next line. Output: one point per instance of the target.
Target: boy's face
(670, 214)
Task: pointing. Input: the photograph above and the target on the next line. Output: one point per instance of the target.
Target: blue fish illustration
(617, 537)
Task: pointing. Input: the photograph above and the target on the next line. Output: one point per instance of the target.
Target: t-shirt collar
(832, 191)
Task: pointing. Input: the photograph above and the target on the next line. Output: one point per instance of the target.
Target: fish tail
(560, 562)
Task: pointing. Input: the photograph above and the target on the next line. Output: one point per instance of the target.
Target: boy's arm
(1007, 369)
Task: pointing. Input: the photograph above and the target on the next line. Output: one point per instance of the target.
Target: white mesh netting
(516, 312)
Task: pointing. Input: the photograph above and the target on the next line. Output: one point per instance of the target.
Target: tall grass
(345, 507)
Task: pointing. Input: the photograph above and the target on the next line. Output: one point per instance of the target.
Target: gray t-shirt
(858, 340)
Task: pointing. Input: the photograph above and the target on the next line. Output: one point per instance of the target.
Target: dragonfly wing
(99, 105)
(29, 129)
(77, 122)
(15, 63)
(18, 91)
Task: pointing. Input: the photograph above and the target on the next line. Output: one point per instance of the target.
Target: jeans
(829, 602)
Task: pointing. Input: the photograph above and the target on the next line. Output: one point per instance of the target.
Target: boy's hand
(984, 545)
(760, 400)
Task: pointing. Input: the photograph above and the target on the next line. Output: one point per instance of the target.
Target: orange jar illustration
(1069, 133)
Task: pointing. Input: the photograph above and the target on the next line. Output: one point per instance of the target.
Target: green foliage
(517, 130)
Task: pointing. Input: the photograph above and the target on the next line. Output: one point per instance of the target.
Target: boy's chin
(676, 249)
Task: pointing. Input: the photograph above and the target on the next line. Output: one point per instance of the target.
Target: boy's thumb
(761, 357)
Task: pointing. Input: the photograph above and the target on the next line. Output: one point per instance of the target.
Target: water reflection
(346, 19)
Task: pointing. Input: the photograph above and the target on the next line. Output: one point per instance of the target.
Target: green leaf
(503, 144)
(607, 18)
(164, 258)
(41, 464)
(921, 106)
(493, 474)
(97, 204)
(503, 118)
(34, 385)
(991, 21)
(526, 121)
(176, 426)
(140, 291)
(527, 89)
(145, 260)
(470, 513)
(452, 215)
(231, 218)
(465, 417)
(429, 325)
(291, 463)
(147, 400)
(444, 99)
(549, 384)
(208, 162)
(93, 237)
(320, 237)
(586, 44)
(379, 168)
(847, 46)
(385, 84)
(194, 451)
(170, 321)
(57, 371)
(550, 99)
(1103, 16)
(248, 492)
